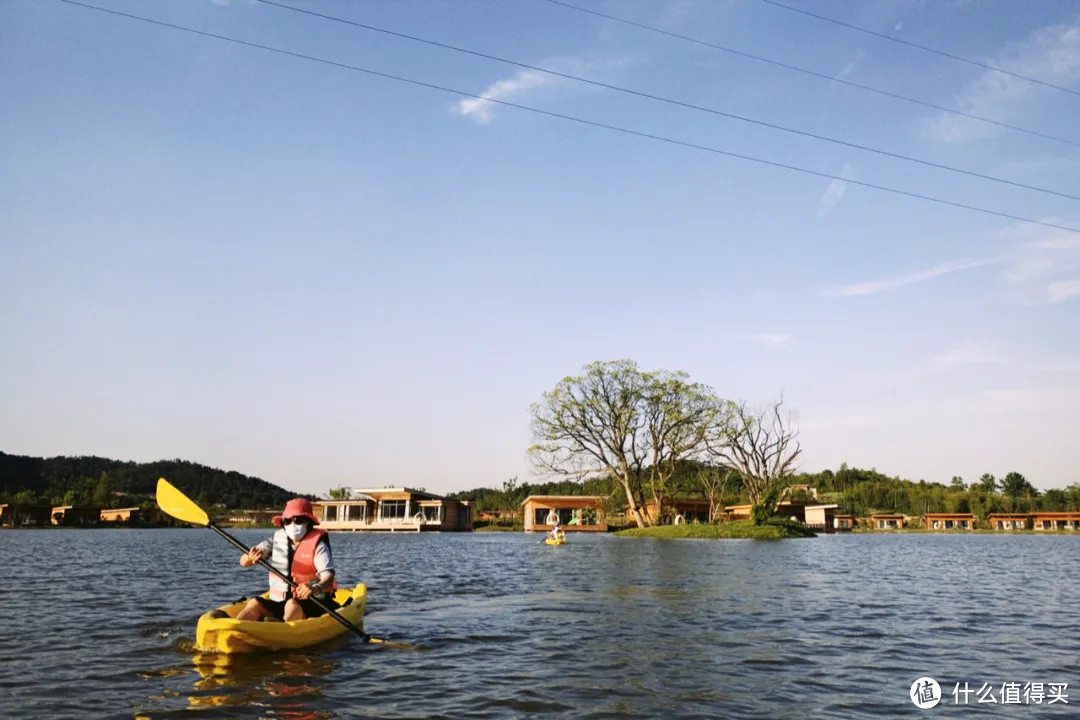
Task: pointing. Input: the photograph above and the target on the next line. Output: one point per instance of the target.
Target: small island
(775, 529)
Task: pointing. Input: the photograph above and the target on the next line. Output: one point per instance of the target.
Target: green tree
(26, 497)
(1073, 494)
(958, 483)
(339, 493)
(102, 496)
(1016, 485)
(1055, 500)
(989, 483)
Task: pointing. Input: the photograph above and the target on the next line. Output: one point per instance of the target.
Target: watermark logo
(925, 693)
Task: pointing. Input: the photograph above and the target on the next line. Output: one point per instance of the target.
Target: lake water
(100, 624)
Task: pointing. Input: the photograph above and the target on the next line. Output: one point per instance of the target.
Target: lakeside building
(679, 510)
(1007, 521)
(253, 517)
(575, 513)
(843, 521)
(1056, 520)
(394, 510)
(71, 516)
(820, 517)
(789, 509)
(949, 521)
(502, 514)
(887, 521)
(16, 515)
(120, 515)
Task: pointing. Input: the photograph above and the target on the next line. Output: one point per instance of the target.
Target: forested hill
(101, 482)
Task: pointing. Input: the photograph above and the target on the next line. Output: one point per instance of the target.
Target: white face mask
(295, 531)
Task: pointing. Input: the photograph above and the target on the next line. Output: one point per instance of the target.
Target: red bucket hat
(297, 507)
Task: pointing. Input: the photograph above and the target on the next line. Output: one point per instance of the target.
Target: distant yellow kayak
(228, 635)
(553, 541)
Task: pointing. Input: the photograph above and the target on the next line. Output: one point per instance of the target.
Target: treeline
(866, 491)
(685, 482)
(859, 491)
(101, 482)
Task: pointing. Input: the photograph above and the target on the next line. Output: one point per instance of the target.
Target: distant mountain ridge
(90, 480)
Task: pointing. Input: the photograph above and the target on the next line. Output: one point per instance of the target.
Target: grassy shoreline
(738, 530)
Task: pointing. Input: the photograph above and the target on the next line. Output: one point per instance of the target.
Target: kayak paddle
(180, 506)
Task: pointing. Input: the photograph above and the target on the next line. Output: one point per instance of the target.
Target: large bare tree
(761, 444)
(679, 417)
(715, 480)
(616, 420)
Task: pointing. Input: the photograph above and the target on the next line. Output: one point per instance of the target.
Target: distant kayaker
(301, 552)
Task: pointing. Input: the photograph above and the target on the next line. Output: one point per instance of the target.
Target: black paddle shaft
(329, 610)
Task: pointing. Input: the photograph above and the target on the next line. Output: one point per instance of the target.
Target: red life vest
(303, 561)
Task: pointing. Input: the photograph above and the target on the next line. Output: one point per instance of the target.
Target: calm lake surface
(101, 624)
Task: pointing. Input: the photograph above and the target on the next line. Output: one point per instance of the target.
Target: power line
(571, 118)
(935, 51)
(813, 73)
(672, 101)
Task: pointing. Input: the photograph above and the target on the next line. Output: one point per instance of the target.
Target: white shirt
(324, 562)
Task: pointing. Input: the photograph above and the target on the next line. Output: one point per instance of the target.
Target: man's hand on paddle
(253, 556)
(302, 592)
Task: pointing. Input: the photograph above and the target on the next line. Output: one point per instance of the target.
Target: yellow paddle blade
(392, 643)
(179, 505)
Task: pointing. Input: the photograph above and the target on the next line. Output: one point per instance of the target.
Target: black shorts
(276, 608)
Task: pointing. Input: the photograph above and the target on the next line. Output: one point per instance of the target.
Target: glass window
(431, 512)
(357, 512)
(392, 509)
(330, 513)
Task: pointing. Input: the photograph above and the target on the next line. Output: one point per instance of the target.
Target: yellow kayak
(553, 541)
(228, 635)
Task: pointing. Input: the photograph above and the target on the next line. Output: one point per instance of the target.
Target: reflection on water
(836, 627)
(276, 681)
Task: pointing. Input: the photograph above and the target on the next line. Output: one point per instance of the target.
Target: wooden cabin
(820, 517)
(950, 521)
(120, 515)
(737, 512)
(17, 515)
(575, 513)
(679, 510)
(887, 521)
(71, 516)
(1008, 521)
(253, 517)
(1056, 521)
(843, 521)
(394, 510)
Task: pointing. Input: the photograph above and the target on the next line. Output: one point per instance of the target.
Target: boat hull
(229, 635)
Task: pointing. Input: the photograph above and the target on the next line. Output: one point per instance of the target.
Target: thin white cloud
(676, 12)
(834, 192)
(481, 109)
(1041, 255)
(1062, 291)
(1051, 54)
(846, 70)
(898, 26)
(773, 339)
(875, 286)
(967, 354)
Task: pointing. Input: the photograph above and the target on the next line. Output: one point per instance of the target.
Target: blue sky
(320, 277)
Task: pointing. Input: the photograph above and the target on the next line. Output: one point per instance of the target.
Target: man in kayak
(301, 552)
